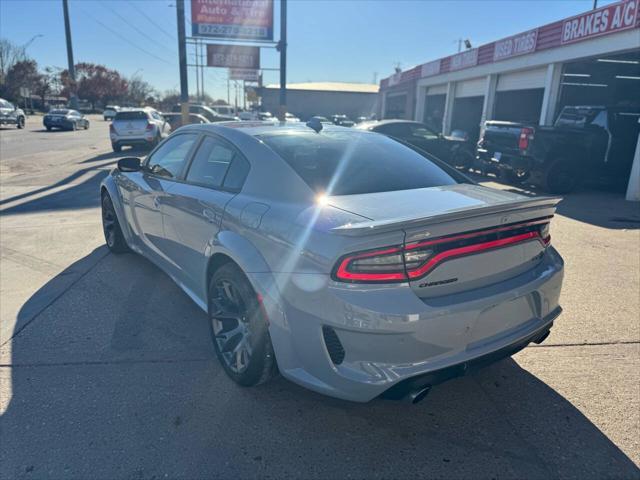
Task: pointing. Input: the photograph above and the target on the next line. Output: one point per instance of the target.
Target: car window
(210, 163)
(334, 162)
(135, 115)
(156, 115)
(400, 130)
(422, 132)
(236, 174)
(169, 159)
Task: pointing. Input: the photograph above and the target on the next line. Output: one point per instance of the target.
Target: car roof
(257, 128)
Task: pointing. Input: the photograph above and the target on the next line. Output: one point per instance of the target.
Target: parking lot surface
(107, 368)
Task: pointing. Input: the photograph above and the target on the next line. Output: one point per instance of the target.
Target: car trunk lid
(456, 237)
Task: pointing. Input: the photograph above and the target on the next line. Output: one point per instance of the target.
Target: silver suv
(138, 126)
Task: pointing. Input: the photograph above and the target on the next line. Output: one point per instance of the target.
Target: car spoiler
(376, 226)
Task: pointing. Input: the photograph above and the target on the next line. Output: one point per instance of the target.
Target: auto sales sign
(612, 18)
(232, 19)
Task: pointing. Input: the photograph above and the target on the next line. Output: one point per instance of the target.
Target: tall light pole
(72, 68)
(282, 48)
(26, 45)
(182, 60)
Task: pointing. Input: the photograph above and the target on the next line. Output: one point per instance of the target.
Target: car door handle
(210, 216)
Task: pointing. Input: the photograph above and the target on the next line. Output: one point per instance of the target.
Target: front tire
(116, 148)
(20, 123)
(239, 328)
(113, 235)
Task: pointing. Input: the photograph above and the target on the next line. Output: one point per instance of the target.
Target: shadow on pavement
(85, 194)
(604, 208)
(113, 376)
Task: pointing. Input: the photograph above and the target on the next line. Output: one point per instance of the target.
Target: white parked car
(290, 117)
(138, 126)
(110, 111)
(226, 110)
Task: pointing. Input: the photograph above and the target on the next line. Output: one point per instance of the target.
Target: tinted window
(131, 116)
(347, 163)
(236, 174)
(210, 163)
(168, 160)
(400, 130)
(422, 131)
(59, 112)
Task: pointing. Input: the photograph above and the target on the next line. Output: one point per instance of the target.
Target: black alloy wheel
(239, 328)
(111, 227)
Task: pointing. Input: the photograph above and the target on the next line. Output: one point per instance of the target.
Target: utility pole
(72, 69)
(282, 48)
(182, 59)
(595, 4)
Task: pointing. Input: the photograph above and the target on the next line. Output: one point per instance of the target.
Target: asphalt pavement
(107, 369)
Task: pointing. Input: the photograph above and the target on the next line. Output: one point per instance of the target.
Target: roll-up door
(522, 80)
(471, 88)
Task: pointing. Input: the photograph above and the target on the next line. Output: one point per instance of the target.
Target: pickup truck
(586, 144)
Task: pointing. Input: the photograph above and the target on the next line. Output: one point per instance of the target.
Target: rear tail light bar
(415, 260)
(526, 135)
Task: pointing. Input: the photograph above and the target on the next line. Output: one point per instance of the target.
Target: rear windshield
(59, 112)
(576, 117)
(131, 116)
(349, 163)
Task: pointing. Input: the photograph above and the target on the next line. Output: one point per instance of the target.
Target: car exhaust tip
(418, 395)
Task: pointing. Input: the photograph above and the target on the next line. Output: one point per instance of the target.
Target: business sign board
(611, 18)
(430, 68)
(243, 74)
(232, 19)
(465, 59)
(233, 56)
(517, 45)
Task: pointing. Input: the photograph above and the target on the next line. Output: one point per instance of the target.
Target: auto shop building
(589, 59)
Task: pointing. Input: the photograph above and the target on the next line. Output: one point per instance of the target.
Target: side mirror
(129, 164)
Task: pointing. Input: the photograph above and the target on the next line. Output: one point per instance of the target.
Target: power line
(117, 34)
(172, 37)
(134, 27)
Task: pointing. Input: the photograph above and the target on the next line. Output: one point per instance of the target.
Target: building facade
(589, 59)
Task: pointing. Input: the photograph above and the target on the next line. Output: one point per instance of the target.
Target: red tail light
(415, 260)
(526, 135)
(149, 127)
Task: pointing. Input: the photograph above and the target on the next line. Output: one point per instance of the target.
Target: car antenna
(315, 124)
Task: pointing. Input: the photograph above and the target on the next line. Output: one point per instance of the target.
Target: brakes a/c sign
(232, 19)
(609, 19)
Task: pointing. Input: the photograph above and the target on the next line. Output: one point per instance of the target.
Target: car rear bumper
(357, 343)
(131, 141)
(507, 161)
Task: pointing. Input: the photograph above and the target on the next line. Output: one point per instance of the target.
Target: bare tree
(139, 91)
(10, 54)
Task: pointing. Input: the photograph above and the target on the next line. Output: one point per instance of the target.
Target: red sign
(464, 60)
(612, 18)
(516, 45)
(233, 56)
(233, 19)
(430, 68)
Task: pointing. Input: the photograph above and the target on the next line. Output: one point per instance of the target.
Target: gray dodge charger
(353, 264)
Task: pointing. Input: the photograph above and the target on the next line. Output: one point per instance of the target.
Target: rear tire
(463, 159)
(239, 328)
(48, 129)
(113, 235)
(86, 126)
(116, 148)
(560, 177)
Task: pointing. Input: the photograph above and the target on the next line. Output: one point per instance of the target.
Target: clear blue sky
(329, 40)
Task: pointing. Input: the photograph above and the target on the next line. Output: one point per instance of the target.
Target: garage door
(523, 80)
(437, 89)
(471, 88)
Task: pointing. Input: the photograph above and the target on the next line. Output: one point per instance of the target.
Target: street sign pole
(72, 70)
(283, 60)
(182, 58)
